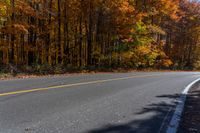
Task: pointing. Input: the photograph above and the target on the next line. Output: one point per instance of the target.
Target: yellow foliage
(2, 9)
(167, 63)
(143, 49)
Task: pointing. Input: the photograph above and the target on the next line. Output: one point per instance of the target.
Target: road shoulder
(190, 122)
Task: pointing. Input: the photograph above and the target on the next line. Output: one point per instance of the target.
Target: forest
(56, 35)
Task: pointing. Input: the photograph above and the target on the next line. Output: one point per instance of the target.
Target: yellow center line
(71, 85)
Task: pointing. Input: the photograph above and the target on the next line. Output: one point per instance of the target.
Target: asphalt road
(96, 103)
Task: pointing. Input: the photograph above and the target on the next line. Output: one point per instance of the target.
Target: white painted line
(174, 123)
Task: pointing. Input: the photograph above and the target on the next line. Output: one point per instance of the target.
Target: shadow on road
(148, 124)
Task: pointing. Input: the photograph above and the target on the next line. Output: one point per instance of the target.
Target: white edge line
(174, 123)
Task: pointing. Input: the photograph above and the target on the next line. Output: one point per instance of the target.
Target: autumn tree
(60, 34)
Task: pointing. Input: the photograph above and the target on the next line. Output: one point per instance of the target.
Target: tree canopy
(100, 33)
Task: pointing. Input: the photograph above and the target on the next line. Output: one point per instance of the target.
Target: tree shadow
(154, 118)
(175, 96)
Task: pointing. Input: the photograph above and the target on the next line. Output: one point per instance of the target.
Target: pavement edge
(175, 121)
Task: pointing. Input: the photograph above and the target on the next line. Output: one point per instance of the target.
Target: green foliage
(141, 35)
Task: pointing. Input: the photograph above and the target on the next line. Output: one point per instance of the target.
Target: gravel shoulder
(191, 116)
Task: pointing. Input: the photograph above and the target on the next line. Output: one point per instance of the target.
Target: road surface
(137, 102)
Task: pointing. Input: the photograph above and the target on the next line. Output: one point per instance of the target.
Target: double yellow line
(72, 85)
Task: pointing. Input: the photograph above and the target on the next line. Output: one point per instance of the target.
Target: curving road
(91, 103)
